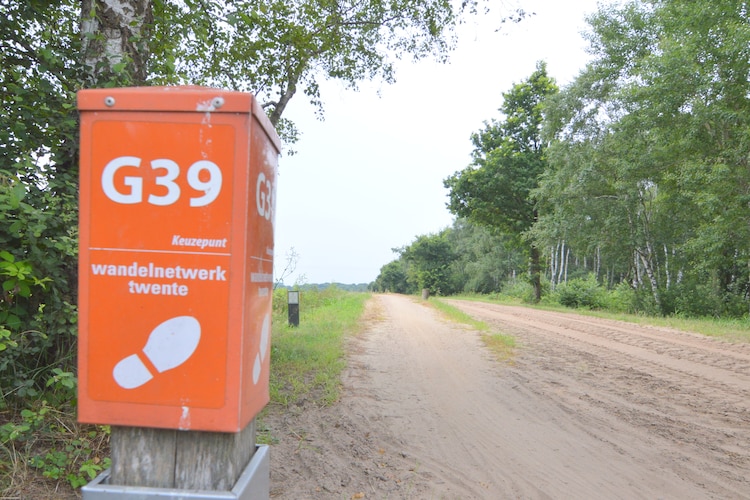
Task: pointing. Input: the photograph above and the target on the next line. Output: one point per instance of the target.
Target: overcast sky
(370, 177)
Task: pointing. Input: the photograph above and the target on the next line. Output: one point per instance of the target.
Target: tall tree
(393, 278)
(652, 146)
(484, 261)
(429, 258)
(508, 158)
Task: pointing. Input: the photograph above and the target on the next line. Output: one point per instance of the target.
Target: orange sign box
(176, 257)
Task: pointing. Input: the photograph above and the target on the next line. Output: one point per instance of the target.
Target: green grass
(307, 361)
(732, 330)
(502, 345)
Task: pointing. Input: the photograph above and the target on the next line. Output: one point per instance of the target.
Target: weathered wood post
(175, 277)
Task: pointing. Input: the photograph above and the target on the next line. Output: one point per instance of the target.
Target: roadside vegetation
(44, 451)
(307, 360)
(501, 344)
(625, 190)
(614, 304)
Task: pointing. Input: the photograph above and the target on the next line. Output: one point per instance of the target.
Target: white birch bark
(115, 32)
(649, 270)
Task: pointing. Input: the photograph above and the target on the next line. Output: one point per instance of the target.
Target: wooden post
(167, 458)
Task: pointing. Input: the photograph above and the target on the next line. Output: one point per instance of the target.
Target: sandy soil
(588, 408)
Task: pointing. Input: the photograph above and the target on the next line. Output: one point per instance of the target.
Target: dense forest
(629, 187)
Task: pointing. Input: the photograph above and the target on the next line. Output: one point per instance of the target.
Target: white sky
(370, 177)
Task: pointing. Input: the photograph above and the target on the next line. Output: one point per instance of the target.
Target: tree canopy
(508, 158)
(637, 171)
(649, 163)
(273, 49)
(276, 48)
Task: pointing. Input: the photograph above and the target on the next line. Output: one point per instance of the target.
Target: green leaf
(119, 67)
(13, 322)
(24, 290)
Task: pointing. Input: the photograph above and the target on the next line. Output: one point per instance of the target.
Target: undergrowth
(44, 451)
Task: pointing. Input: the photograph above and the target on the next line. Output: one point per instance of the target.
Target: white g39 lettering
(210, 187)
(135, 183)
(263, 194)
(168, 181)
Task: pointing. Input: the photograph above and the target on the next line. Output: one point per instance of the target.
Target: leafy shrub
(620, 299)
(579, 292)
(694, 299)
(38, 270)
(55, 445)
(18, 347)
(519, 289)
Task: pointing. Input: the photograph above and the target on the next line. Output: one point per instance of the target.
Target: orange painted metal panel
(176, 257)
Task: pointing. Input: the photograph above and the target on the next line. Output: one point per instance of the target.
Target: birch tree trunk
(114, 39)
(561, 265)
(598, 262)
(648, 268)
(553, 265)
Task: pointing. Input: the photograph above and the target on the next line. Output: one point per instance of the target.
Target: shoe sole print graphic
(265, 333)
(169, 345)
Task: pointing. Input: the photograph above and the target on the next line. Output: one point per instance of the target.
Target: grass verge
(732, 330)
(501, 344)
(307, 360)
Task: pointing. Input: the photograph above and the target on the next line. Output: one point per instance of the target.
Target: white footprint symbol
(265, 333)
(169, 345)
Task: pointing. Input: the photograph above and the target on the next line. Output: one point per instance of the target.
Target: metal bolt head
(109, 101)
(217, 102)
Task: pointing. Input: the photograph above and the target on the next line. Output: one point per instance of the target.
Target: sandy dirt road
(587, 409)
